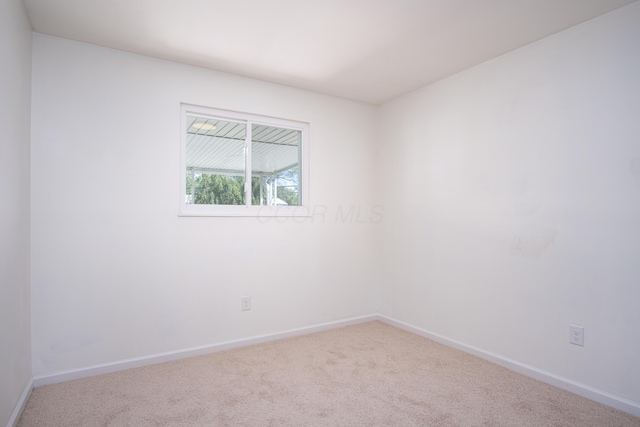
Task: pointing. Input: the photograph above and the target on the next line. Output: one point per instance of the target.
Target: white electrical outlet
(245, 303)
(576, 335)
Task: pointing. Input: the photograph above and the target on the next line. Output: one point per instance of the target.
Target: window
(238, 164)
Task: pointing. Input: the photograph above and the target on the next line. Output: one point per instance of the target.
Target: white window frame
(247, 209)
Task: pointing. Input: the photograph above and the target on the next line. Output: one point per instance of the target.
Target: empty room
(344, 212)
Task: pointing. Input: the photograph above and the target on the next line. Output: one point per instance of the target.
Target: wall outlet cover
(245, 303)
(576, 334)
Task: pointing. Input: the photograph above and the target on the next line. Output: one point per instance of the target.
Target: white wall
(512, 199)
(15, 101)
(117, 274)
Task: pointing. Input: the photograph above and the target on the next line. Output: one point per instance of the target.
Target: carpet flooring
(370, 374)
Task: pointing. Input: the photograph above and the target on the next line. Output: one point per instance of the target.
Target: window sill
(244, 211)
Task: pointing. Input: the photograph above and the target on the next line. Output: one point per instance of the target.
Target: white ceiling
(366, 50)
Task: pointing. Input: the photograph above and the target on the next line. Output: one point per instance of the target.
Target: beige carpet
(365, 375)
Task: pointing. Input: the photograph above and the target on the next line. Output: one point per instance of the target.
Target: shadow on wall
(532, 241)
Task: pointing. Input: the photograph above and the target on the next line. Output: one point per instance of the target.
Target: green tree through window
(211, 189)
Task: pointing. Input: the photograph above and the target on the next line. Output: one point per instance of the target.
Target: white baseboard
(15, 417)
(575, 387)
(191, 352)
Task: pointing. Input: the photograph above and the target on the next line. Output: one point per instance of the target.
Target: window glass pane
(275, 160)
(215, 161)
(222, 149)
